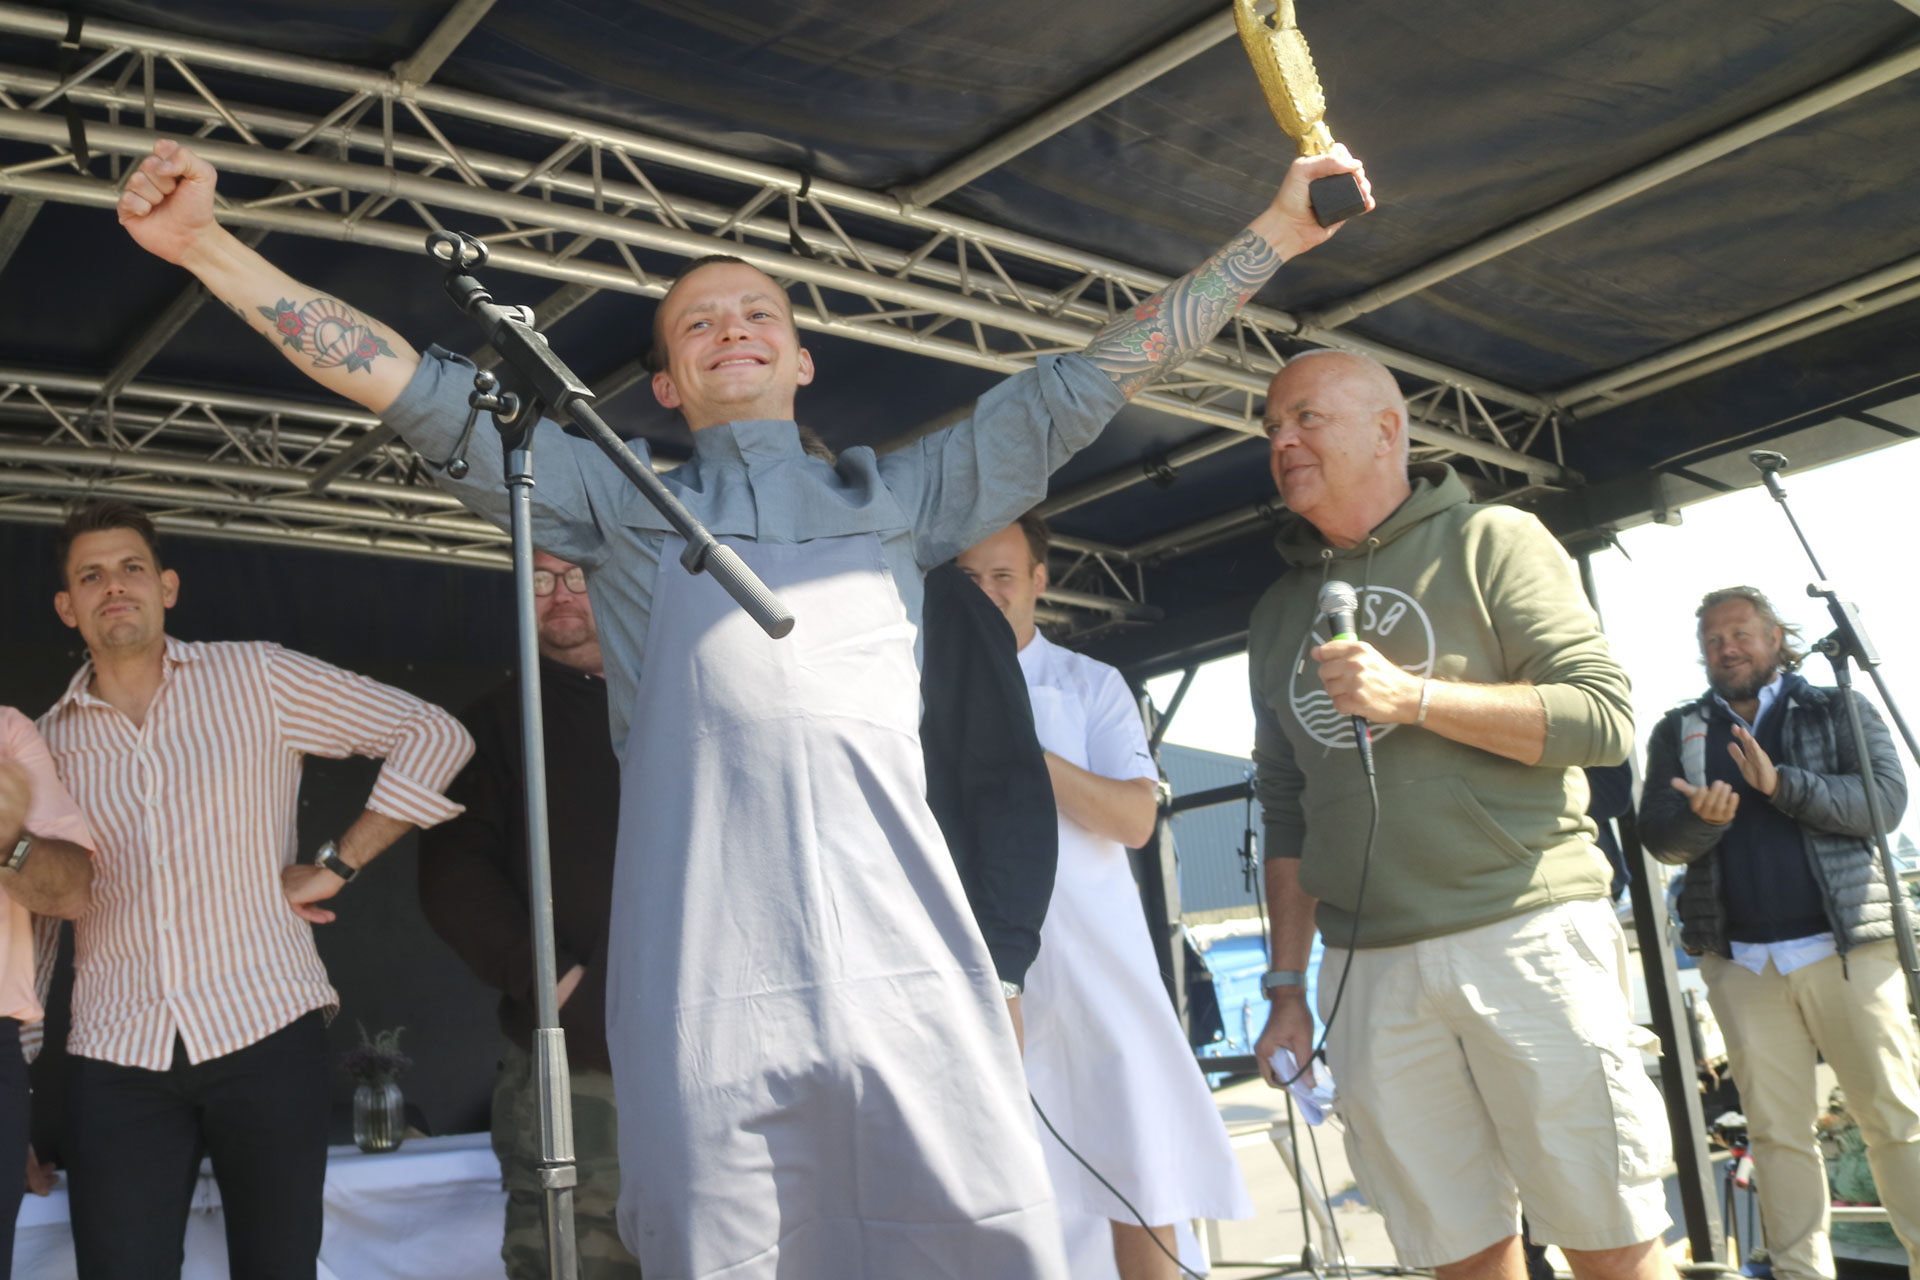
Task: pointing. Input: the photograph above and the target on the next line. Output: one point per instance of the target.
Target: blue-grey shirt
(926, 503)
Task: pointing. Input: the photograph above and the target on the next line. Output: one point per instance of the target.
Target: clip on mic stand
(1846, 644)
(533, 381)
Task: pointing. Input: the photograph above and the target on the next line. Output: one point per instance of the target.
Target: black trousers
(134, 1142)
(16, 1114)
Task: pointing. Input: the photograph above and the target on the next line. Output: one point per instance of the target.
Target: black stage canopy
(1618, 244)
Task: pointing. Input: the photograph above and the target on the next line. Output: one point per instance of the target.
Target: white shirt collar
(1034, 656)
(1768, 692)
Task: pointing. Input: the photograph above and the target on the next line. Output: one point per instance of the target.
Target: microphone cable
(1319, 1049)
(1346, 968)
(1353, 935)
(1174, 1257)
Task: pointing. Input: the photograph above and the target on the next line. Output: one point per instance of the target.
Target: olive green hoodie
(1450, 591)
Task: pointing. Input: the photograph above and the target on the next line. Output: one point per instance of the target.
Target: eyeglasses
(544, 581)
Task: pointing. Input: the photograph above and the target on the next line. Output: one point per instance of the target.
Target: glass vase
(379, 1116)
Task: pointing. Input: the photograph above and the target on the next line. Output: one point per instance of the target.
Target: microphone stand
(1844, 646)
(534, 382)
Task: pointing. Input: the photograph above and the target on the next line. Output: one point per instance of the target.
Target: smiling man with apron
(1106, 1058)
(816, 1073)
(816, 1077)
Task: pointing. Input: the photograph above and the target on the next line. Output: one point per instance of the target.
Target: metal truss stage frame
(581, 202)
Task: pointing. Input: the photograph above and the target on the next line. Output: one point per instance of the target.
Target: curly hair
(1791, 654)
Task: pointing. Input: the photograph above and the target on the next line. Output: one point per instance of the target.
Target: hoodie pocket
(1439, 859)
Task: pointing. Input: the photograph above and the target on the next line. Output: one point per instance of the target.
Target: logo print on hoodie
(1392, 622)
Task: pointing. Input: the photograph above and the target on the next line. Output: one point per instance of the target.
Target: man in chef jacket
(1105, 1056)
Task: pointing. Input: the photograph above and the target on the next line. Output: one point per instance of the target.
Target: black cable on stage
(1184, 1268)
(1339, 993)
(1353, 936)
(1326, 1198)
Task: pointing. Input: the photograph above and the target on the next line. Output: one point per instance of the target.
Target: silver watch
(1274, 978)
(329, 859)
(18, 858)
(1010, 990)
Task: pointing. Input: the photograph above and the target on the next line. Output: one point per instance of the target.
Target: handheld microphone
(1338, 603)
(1770, 464)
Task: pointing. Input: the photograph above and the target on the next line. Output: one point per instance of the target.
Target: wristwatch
(1273, 978)
(18, 858)
(1009, 990)
(329, 859)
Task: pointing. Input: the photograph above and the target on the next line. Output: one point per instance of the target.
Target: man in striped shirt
(199, 1001)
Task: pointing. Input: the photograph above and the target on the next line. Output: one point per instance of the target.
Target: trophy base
(1336, 198)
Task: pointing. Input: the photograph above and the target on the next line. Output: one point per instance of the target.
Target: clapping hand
(1756, 766)
(1714, 803)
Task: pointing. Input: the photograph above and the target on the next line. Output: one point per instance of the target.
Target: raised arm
(1177, 322)
(167, 208)
(974, 478)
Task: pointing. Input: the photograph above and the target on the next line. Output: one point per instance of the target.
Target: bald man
(1481, 1045)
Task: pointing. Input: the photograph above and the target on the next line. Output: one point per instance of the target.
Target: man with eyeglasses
(473, 888)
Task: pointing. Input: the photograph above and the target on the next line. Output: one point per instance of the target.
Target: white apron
(816, 1073)
(1106, 1058)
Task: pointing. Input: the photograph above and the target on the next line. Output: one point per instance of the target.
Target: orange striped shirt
(195, 812)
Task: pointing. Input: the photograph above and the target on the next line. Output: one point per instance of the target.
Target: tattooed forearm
(1175, 323)
(332, 333)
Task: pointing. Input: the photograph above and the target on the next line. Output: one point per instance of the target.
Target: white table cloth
(433, 1210)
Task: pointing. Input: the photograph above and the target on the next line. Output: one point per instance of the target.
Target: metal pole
(1837, 651)
(226, 529)
(52, 25)
(1575, 398)
(1760, 346)
(239, 402)
(1165, 720)
(552, 1086)
(1679, 1072)
(1679, 1079)
(1157, 871)
(233, 473)
(1688, 158)
(14, 222)
(1064, 334)
(441, 42)
(1071, 110)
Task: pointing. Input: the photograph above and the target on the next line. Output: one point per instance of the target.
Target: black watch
(329, 859)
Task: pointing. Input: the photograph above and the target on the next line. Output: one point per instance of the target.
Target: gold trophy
(1284, 65)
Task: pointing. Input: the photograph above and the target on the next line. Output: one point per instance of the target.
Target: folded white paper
(1315, 1099)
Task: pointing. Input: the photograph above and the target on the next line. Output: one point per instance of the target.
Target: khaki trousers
(1858, 1021)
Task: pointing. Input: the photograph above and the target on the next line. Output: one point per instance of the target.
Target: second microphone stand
(1844, 646)
(533, 382)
